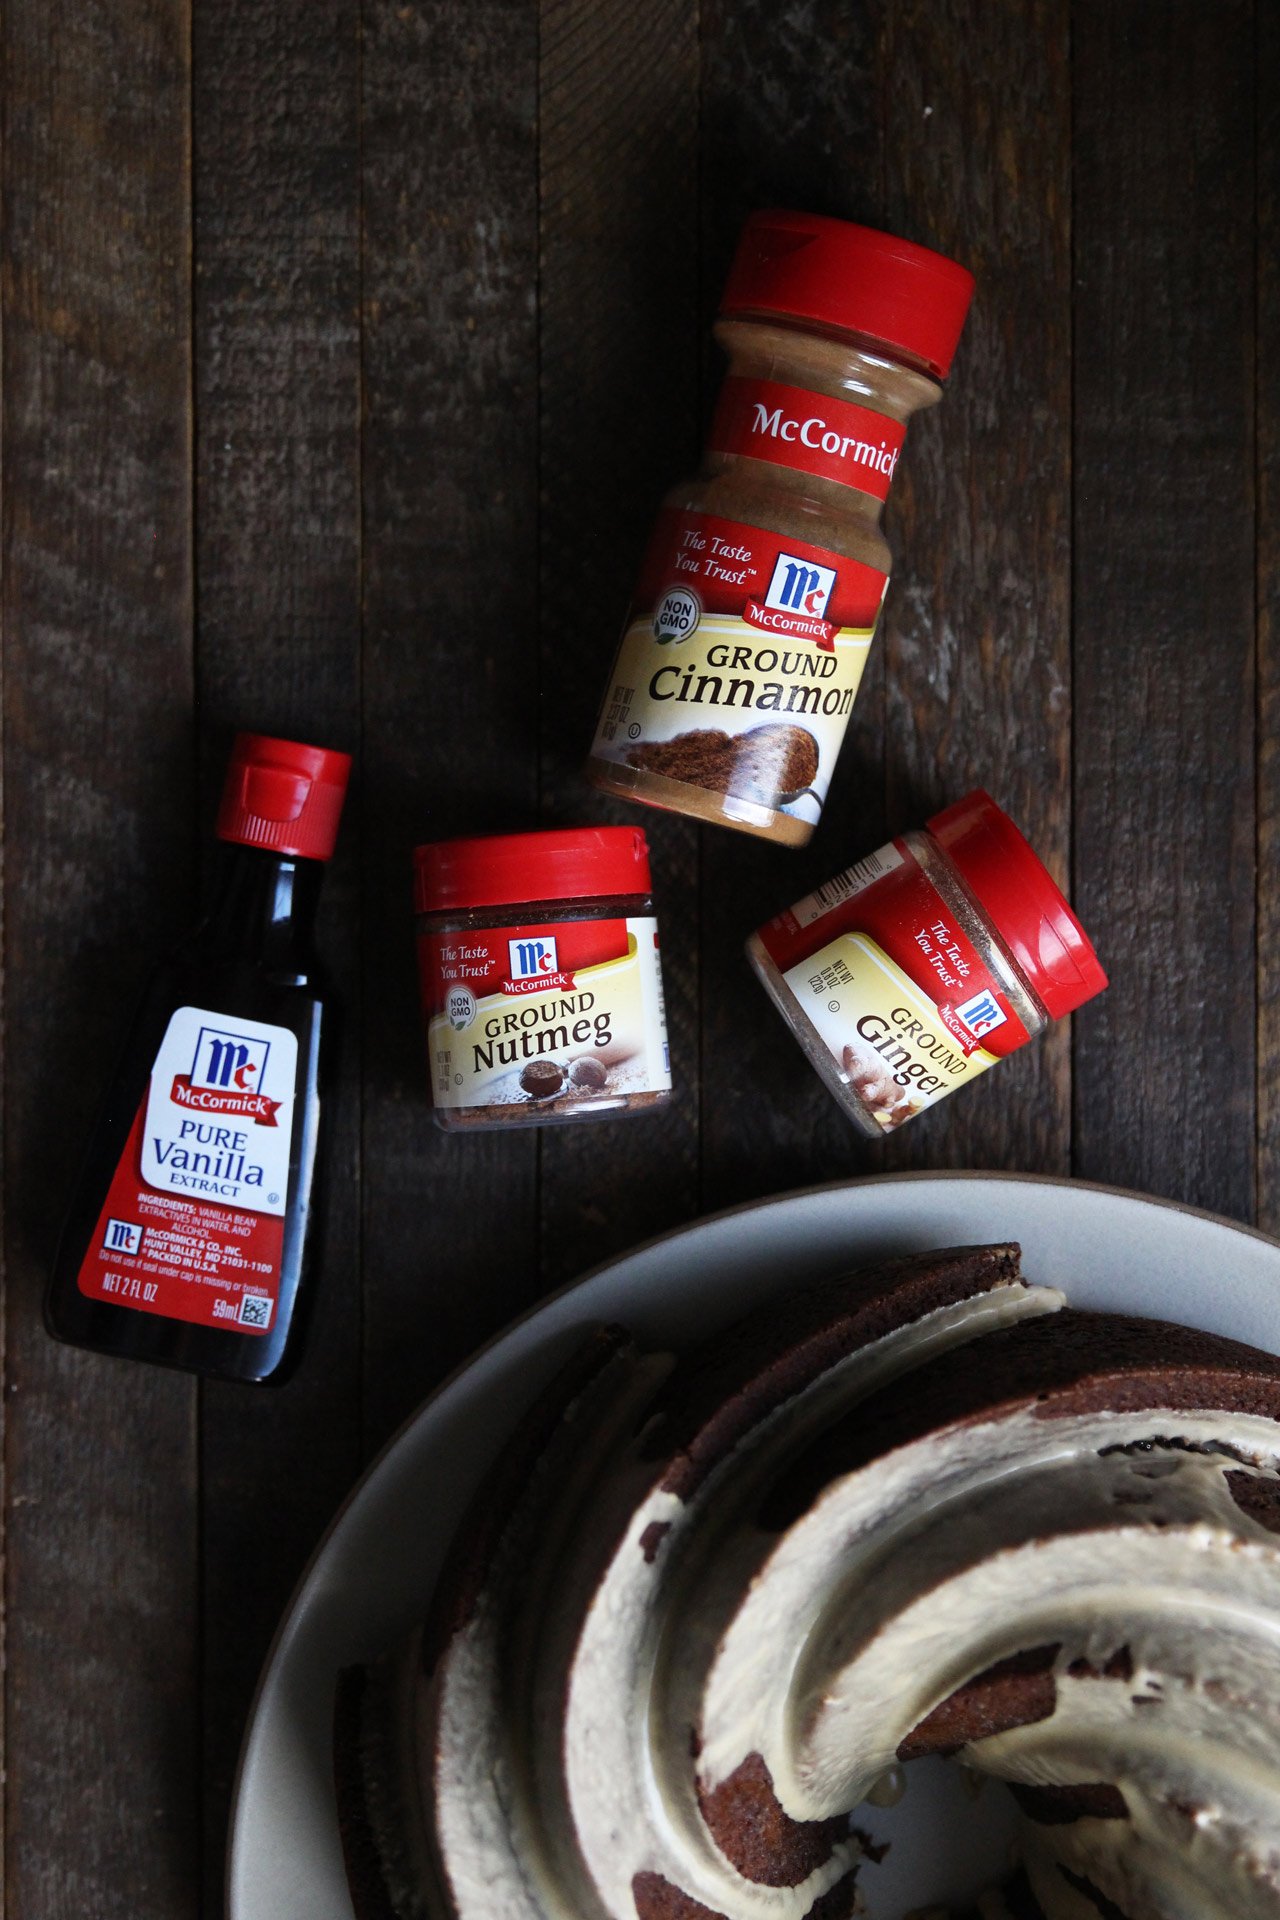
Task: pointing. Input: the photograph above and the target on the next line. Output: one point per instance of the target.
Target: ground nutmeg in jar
(759, 595)
(926, 963)
(541, 979)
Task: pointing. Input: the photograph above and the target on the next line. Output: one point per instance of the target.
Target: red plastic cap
(565, 863)
(283, 796)
(812, 268)
(1017, 894)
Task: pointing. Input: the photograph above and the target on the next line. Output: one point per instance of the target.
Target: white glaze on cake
(637, 1647)
(626, 1743)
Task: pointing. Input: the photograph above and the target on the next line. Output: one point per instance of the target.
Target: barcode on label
(845, 885)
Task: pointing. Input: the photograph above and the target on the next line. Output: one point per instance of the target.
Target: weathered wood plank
(277, 365)
(101, 1682)
(450, 747)
(977, 637)
(977, 518)
(618, 364)
(1267, 63)
(1164, 582)
(790, 118)
(471, 708)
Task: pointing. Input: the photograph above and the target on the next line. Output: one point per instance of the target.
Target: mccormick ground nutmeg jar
(763, 582)
(541, 982)
(926, 963)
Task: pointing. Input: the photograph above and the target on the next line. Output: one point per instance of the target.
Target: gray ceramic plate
(373, 1571)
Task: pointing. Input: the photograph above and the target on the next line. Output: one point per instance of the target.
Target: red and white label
(578, 1000)
(809, 432)
(249, 1106)
(895, 989)
(193, 1224)
(730, 567)
(890, 898)
(740, 662)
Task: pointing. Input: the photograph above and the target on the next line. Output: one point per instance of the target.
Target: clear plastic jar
(925, 964)
(760, 592)
(541, 979)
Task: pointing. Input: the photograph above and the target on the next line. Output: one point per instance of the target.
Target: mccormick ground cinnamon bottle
(759, 595)
(189, 1236)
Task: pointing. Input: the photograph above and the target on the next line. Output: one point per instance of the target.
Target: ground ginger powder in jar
(925, 964)
(759, 595)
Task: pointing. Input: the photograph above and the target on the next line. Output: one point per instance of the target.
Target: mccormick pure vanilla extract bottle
(190, 1234)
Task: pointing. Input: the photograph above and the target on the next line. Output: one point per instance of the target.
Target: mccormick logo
(228, 1060)
(226, 1073)
(534, 967)
(532, 959)
(982, 1014)
(799, 586)
(796, 602)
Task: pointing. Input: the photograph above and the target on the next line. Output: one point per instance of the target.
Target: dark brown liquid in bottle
(250, 961)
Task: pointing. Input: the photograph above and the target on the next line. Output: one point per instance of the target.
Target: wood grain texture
(791, 117)
(1164, 566)
(449, 744)
(618, 376)
(1266, 65)
(976, 636)
(277, 363)
(102, 1674)
(447, 328)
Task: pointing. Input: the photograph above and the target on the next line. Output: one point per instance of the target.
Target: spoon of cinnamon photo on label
(773, 765)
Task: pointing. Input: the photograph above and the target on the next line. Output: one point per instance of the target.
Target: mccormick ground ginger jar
(926, 963)
(763, 582)
(541, 981)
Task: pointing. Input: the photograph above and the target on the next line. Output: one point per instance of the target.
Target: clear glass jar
(760, 592)
(541, 1010)
(926, 963)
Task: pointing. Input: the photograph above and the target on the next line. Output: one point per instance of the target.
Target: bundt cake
(703, 1606)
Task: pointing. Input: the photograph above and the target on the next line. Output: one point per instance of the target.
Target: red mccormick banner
(890, 899)
(250, 1106)
(566, 1011)
(882, 973)
(739, 664)
(540, 983)
(737, 569)
(193, 1223)
(811, 433)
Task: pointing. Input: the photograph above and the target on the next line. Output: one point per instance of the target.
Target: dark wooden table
(348, 345)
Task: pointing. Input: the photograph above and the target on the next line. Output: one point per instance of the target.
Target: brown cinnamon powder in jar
(704, 757)
(760, 592)
(766, 764)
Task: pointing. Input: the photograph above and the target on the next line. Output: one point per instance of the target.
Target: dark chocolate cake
(702, 1607)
